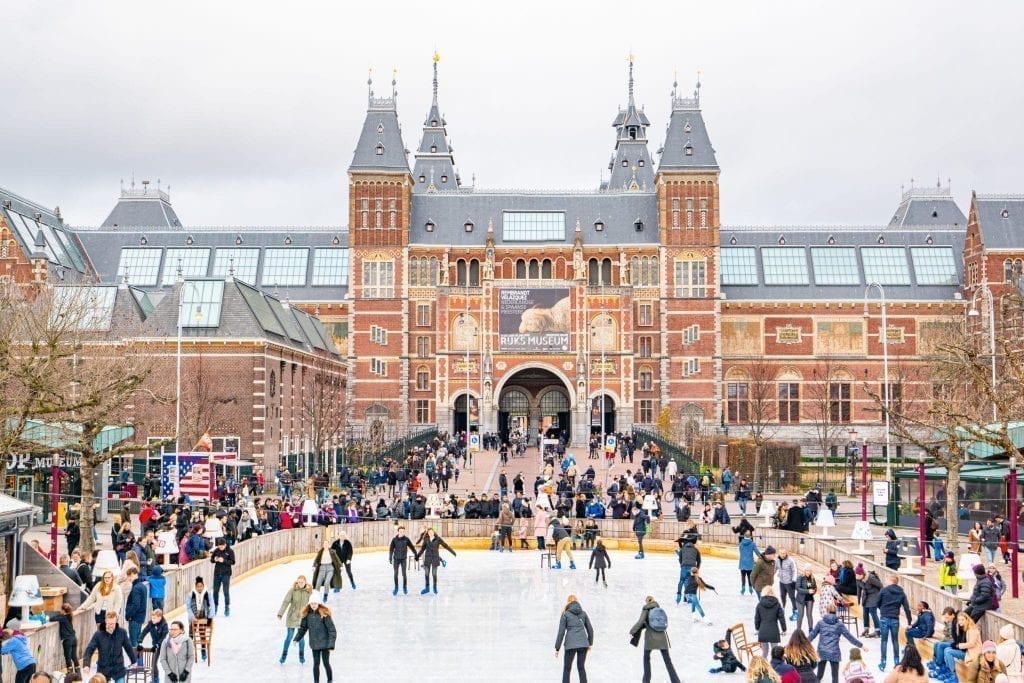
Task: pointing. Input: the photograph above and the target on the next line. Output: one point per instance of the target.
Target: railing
(295, 543)
(670, 450)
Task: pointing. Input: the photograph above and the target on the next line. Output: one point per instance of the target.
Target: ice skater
(342, 547)
(640, 522)
(575, 631)
(599, 561)
(430, 551)
(323, 634)
(295, 600)
(654, 623)
(725, 657)
(747, 550)
(695, 584)
(560, 536)
(326, 570)
(398, 553)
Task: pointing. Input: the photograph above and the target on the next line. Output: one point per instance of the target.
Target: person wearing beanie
(763, 574)
(985, 668)
(892, 550)
(949, 579)
(1008, 652)
(982, 596)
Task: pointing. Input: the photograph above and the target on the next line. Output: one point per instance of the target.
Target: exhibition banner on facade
(533, 320)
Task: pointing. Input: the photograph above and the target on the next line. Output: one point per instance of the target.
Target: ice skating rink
(495, 619)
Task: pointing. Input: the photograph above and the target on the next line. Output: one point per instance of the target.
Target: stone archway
(535, 398)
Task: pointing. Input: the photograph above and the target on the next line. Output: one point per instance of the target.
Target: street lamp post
(1014, 513)
(851, 459)
(182, 283)
(921, 507)
(973, 313)
(884, 334)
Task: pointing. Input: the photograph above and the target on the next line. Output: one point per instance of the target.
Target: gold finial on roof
(437, 56)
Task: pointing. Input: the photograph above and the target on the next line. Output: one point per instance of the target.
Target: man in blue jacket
(112, 644)
(890, 600)
(135, 609)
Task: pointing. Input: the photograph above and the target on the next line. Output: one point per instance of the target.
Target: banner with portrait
(533, 320)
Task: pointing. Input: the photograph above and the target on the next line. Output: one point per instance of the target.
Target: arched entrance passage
(534, 399)
(608, 406)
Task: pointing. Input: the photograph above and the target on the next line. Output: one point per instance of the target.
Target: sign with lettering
(27, 462)
(605, 367)
(880, 491)
(533, 320)
(463, 366)
(788, 335)
(894, 335)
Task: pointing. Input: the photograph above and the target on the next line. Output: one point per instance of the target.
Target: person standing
(806, 590)
(157, 631)
(653, 622)
(747, 549)
(342, 547)
(892, 550)
(326, 570)
(599, 561)
(786, 572)
(430, 551)
(223, 559)
(178, 653)
(872, 596)
(563, 542)
(575, 630)
(316, 620)
(640, 521)
(769, 620)
(506, 518)
(135, 608)
(199, 606)
(111, 643)
(106, 596)
(831, 630)
(16, 645)
(295, 600)
(398, 553)
(763, 574)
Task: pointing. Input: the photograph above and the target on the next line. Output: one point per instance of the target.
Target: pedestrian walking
(342, 547)
(326, 570)
(398, 553)
(178, 654)
(430, 551)
(295, 600)
(599, 561)
(653, 623)
(769, 620)
(223, 559)
(317, 622)
(577, 634)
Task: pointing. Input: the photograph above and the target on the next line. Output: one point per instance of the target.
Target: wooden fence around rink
(44, 642)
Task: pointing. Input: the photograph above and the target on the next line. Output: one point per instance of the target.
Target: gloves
(173, 677)
(183, 676)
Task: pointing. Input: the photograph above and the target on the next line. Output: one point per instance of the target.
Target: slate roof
(144, 207)
(686, 128)
(927, 206)
(434, 168)
(41, 230)
(104, 247)
(860, 238)
(1001, 220)
(380, 129)
(618, 211)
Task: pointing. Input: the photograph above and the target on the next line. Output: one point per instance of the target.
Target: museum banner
(533, 320)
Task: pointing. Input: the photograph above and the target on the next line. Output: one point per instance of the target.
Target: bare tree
(323, 408)
(763, 410)
(827, 408)
(204, 400)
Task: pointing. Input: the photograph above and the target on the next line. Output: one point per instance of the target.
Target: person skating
(563, 543)
(830, 630)
(640, 521)
(806, 590)
(599, 561)
(769, 620)
(695, 584)
(653, 622)
(342, 547)
(111, 643)
(294, 601)
(763, 574)
(747, 549)
(575, 630)
(689, 559)
(178, 654)
(891, 600)
(199, 606)
(398, 553)
(724, 657)
(316, 620)
(157, 630)
(800, 654)
(223, 559)
(430, 551)
(326, 570)
(786, 572)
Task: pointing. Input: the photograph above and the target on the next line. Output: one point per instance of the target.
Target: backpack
(657, 619)
(704, 481)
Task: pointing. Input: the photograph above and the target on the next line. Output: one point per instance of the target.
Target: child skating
(725, 657)
(599, 561)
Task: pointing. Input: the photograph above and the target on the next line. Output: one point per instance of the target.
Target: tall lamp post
(921, 507)
(851, 458)
(595, 338)
(884, 334)
(1014, 513)
(974, 313)
(182, 284)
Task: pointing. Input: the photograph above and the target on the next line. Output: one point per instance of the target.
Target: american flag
(194, 471)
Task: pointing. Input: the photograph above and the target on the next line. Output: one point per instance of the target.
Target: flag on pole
(205, 443)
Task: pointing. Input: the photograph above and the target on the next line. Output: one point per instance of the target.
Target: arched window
(554, 402)
(606, 271)
(545, 269)
(474, 273)
(514, 402)
(593, 272)
(460, 273)
(414, 276)
(521, 269)
(432, 270)
(534, 269)
(422, 378)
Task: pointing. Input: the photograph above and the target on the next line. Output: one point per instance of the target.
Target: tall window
(599, 271)
(423, 347)
(392, 213)
(703, 213)
(534, 269)
(364, 213)
(378, 279)
(738, 402)
(644, 271)
(691, 279)
(545, 269)
(423, 317)
(675, 212)
(423, 272)
(645, 347)
(645, 314)
(422, 411)
(839, 406)
(646, 411)
(689, 212)
(474, 273)
(422, 379)
(521, 269)
(378, 214)
(646, 379)
(467, 273)
(789, 402)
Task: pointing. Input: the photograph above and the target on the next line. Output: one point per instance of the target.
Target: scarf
(177, 642)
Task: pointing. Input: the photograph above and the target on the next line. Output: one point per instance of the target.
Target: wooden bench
(925, 647)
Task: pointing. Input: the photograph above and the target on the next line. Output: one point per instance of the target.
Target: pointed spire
(394, 83)
(437, 58)
(632, 103)
(369, 87)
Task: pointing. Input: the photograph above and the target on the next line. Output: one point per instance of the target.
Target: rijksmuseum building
(579, 311)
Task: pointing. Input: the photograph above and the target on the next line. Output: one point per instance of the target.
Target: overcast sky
(818, 111)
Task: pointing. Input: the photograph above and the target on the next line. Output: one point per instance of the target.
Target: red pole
(1014, 511)
(921, 508)
(864, 482)
(54, 504)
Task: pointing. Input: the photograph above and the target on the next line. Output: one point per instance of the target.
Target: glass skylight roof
(261, 309)
(330, 267)
(285, 267)
(90, 308)
(193, 262)
(201, 303)
(835, 265)
(934, 265)
(139, 266)
(533, 226)
(886, 265)
(784, 266)
(244, 261)
(739, 266)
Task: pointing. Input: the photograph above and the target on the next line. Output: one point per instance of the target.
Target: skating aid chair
(744, 648)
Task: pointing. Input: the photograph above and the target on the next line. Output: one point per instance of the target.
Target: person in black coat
(430, 551)
(981, 597)
(796, 519)
(892, 550)
(398, 552)
(323, 635)
(599, 560)
(342, 547)
(111, 643)
(223, 559)
(769, 620)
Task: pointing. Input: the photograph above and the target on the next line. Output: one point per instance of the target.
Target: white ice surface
(495, 619)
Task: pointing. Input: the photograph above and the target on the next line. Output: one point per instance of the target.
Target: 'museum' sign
(533, 320)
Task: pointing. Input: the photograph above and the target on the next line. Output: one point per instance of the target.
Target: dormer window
(429, 226)
(422, 178)
(640, 163)
(433, 123)
(444, 179)
(638, 225)
(433, 148)
(688, 150)
(881, 239)
(1005, 213)
(380, 128)
(468, 226)
(632, 133)
(687, 128)
(599, 225)
(380, 150)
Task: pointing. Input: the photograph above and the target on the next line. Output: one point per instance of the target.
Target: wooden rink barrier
(282, 546)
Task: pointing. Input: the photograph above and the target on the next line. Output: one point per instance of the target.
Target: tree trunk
(757, 469)
(87, 519)
(952, 505)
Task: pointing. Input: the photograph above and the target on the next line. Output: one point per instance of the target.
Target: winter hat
(889, 533)
(949, 555)
(314, 601)
(829, 579)
(13, 625)
(1006, 632)
(769, 551)
(979, 570)
(988, 646)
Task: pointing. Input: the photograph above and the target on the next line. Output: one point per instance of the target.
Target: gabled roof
(687, 144)
(1000, 220)
(380, 147)
(39, 230)
(144, 207)
(927, 206)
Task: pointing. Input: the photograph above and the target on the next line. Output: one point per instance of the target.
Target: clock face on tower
(273, 383)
